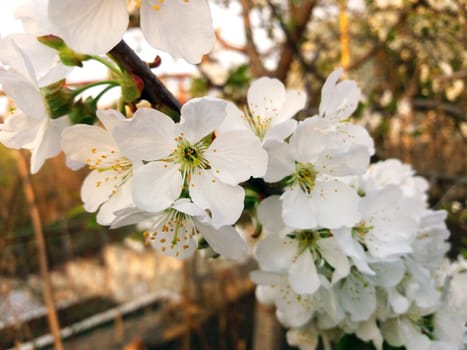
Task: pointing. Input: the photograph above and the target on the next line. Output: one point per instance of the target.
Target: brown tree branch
(256, 64)
(29, 192)
(301, 14)
(154, 90)
(226, 45)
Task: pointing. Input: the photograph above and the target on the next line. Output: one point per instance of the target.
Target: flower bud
(132, 86)
(67, 55)
(83, 111)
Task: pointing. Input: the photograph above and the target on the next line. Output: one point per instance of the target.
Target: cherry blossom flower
(386, 230)
(175, 231)
(269, 110)
(183, 28)
(29, 126)
(338, 101)
(301, 254)
(108, 185)
(312, 163)
(188, 159)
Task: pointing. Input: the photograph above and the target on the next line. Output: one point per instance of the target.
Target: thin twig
(154, 90)
(41, 247)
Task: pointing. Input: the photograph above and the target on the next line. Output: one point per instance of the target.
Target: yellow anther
(156, 7)
(94, 150)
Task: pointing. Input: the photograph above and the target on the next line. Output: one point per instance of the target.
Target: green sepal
(83, 111)
(59, 98)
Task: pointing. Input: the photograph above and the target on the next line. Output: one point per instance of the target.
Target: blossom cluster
(346, 247)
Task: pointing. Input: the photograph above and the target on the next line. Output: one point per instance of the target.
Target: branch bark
(154, 90)
(257, 67)
(301, 14)
(41, 247)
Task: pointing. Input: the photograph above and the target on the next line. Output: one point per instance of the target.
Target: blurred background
(409, 58)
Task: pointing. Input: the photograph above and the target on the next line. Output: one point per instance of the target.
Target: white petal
(280, 131)
(305, 339)
(294, 101)
(47, 141)
(303, 277)
(265, 98)
(334, 256)
(110, 118)
(398, 302)
(45, 63)
(336, 204)
(89, 26)
(209, 193)
(149, 135)
(369, 330)
(269, 214)
(388, 274)
(234, 120)
(186, 206)
(119, 200)
(310, 139)
(19, 130)
(281, 162)
(357, 298)
(338, 100)
(275, 254)
(174, 238)
(352, 249)
(79, 141)
(131, 215)
(236, 156)
(298, 211)
(225, 240)
(25, 94)
(201, 116)
(352, 134)
(181, 28)
(98, 187)
(355, 161)
(156, 185)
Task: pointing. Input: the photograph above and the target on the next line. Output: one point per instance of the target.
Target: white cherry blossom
(301, 254)
(183, 28)
(108, 185)
(190, 157)
(29, 126)
(338, 99)
(387, 229)
(269, 111)
(312, 163)
(175, 231)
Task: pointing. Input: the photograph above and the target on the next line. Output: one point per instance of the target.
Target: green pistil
(306, 240)
(190, 157)
(361, 230)
(304, 176)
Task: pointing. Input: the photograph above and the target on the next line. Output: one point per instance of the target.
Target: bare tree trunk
(54, 325)
(267, 331)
